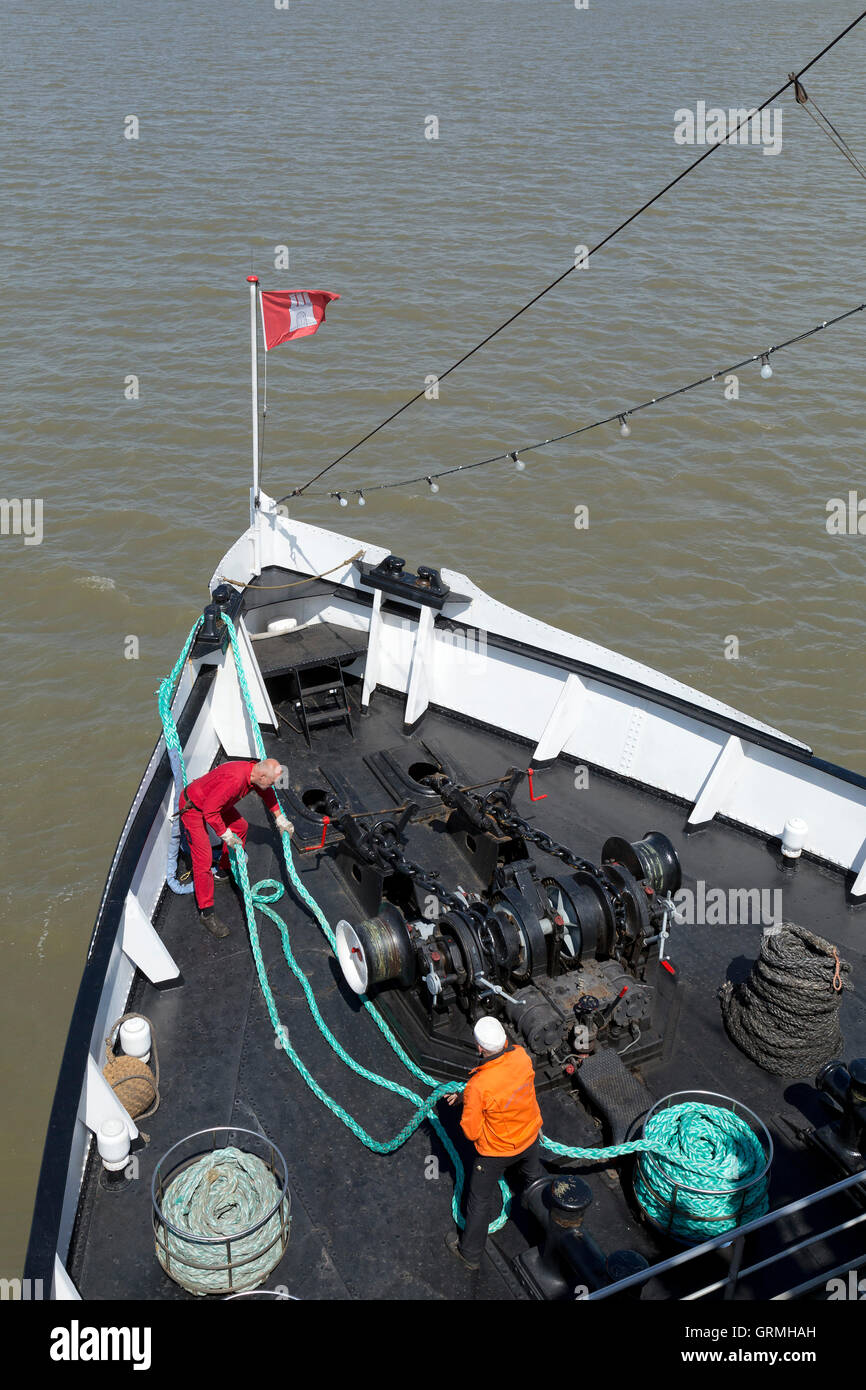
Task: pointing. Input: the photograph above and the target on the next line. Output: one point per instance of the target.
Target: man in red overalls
(210, 800)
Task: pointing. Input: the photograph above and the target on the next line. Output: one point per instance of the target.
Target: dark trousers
(483, 1188)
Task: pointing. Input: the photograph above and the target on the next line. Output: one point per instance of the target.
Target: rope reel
(785, 1016)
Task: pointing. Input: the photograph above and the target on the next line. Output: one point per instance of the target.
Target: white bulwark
(485, 661)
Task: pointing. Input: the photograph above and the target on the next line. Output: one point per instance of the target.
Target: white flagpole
(254, 364)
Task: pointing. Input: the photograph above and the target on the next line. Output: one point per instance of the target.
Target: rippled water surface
(261, 127)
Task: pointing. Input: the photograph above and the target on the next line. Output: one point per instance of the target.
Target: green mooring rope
(682, 1146)
(165, 695)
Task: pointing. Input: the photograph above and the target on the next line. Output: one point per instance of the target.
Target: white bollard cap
(112, 1142)
(794, 837)
(135, 1038)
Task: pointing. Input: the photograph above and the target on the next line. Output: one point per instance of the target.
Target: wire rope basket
(708, 1170)
(221, 1210)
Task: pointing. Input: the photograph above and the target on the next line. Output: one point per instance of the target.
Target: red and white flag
(288, 314)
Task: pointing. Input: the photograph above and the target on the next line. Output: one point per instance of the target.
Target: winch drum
(377, 951)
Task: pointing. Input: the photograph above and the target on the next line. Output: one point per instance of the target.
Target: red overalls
(210, 800)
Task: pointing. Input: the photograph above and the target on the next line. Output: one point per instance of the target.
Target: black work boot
(452, 1240)
(215, 926)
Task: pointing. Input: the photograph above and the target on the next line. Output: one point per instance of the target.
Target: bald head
(266, 773)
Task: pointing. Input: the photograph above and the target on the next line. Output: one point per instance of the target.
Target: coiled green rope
(701, 1171)
(218, 1197)
(668, 1147)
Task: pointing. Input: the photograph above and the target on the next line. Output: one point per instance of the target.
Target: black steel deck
(296, 651)
(370, 1227)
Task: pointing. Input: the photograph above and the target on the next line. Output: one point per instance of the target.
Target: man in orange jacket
(502, 1119)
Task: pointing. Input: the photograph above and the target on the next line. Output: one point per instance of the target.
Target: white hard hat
(490, 1034)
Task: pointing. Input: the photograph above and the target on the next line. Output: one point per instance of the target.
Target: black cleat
(452, 1240)
(215, 926)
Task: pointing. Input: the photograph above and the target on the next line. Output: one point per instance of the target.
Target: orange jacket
(500, 1112)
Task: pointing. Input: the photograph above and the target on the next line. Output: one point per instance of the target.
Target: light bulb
(434, 487)
(624, 427)
(343, 501)
(362, 501)
(766, 369)
(517, 461)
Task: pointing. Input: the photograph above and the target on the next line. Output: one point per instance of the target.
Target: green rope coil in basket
(215, 1201)
(703, 1172)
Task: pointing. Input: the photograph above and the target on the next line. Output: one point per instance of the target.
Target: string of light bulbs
(793, 80)
(620, 416)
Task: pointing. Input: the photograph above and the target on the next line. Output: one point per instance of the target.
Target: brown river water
(306, 127)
